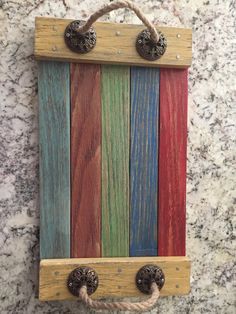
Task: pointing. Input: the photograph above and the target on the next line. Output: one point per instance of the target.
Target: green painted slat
(115, 160)
(54, 137)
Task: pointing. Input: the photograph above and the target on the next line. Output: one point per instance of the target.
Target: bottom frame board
(116, 276)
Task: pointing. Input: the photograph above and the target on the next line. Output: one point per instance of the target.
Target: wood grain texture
(54, 138)
(115, 160)
(110, 48)
(172, 162)
(85, 160)
(116, 276)
(144, 161)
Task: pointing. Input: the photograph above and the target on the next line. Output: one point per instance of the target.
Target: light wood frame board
(115, 44)
(116, 276)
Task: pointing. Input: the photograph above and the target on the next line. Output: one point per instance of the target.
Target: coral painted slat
(85, 160)
(172, 162)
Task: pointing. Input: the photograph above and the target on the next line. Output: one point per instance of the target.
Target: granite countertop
(211, 176)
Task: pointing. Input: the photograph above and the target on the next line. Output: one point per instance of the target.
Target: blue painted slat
(144, 161)
(54, 137)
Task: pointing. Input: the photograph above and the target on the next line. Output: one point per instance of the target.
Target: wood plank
(115, 160)
(144, 161)
(85, 160)
(116, 276)
(110, 47)
(54, 138)
(172, 162)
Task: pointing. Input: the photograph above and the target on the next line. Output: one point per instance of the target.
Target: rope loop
(121, 306)
(118, 5)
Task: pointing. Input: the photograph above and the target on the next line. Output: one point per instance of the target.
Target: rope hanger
(121, 306)
(118, 5)
(81, 36)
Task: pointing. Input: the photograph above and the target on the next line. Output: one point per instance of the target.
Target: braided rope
(121, 306)
(118, 5)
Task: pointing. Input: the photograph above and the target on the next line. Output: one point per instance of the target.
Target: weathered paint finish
(144, 161)
(85, 160)
(172, 162)
(115, 160)
(54, 137)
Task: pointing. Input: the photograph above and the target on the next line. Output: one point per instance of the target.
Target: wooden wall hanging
(113, 132)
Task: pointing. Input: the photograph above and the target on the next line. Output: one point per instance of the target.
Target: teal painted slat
(54, 137)
(144, 161)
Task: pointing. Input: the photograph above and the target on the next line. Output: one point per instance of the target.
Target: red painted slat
(85, 160)
(172, 162)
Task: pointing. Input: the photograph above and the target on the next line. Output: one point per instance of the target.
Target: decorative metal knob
(78, 42)
(147, 275)
(82, 276)
(147, 48)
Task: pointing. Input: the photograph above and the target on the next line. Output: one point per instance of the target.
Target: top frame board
(115, 44)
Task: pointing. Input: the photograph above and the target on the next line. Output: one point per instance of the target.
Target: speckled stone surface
(211, 196)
